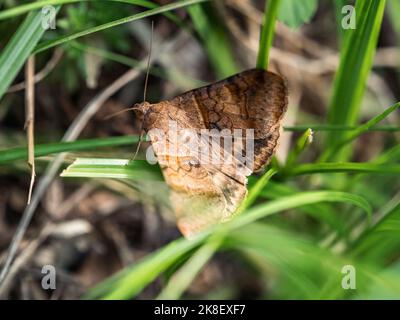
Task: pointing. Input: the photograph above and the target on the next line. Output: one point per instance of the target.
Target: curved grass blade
(381, 238)
(301, 144)
(301, 264)
(321, 211)
(327, 127)
(356, 133)
(181, 280)
(21, 9)
(166, 8)
(19, 48)
(255, 190)
(298, 200)
(19, 153)
(131, 281)
(367, 167)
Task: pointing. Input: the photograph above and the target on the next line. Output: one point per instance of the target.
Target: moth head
(142, 107)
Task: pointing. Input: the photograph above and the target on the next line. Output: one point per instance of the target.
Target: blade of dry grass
(30, 118)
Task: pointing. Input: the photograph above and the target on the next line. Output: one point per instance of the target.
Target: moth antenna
(148, 62)
(138, 145)
(118, 113)
(145, 88)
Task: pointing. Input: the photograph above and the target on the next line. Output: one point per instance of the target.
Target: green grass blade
(352, 167)
(19, 48)
(330, 151)
(384, 233)
(255, 190)
(24, 8)
(321, 211)
(113, 168)
(299, 200)
(305, 270)
(181, 280)
(355, 64)
(118, 168)
(166, 8)
(134, 279)
(390, 155)
(131, 281)
(327, 127)
(301, 144)
(21, 9)
(267, 33)
(338, 5)
(20, 153)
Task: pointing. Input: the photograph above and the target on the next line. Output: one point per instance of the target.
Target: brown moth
(204, 193)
